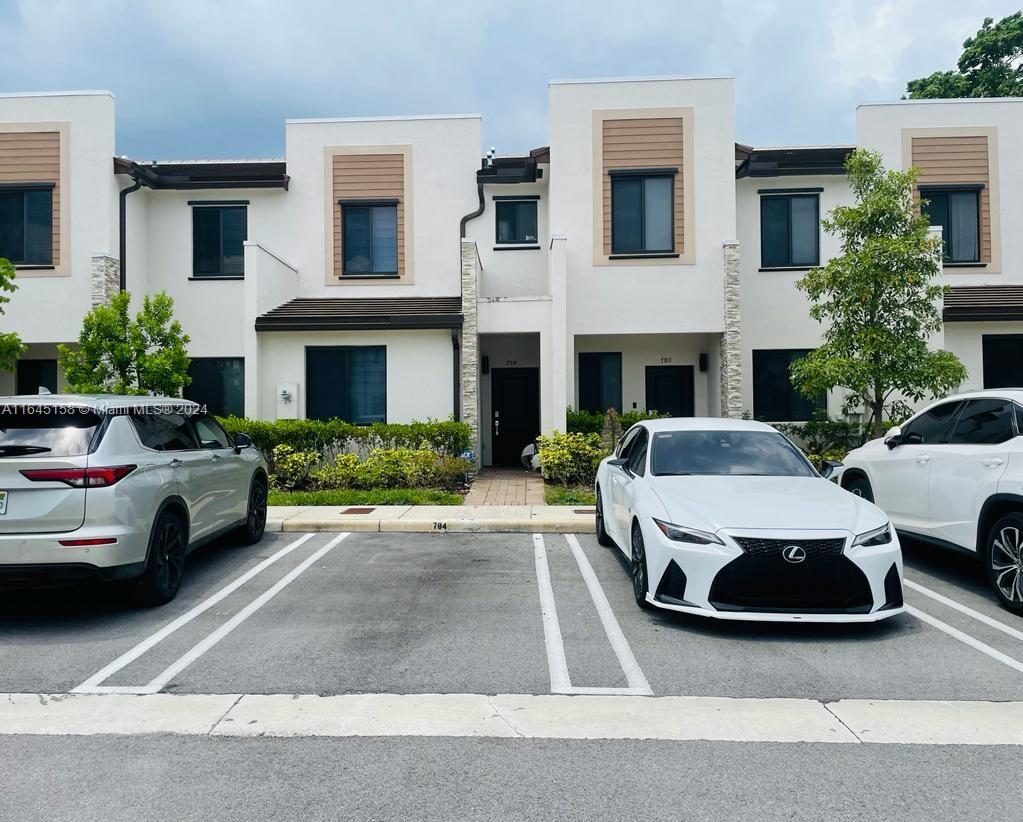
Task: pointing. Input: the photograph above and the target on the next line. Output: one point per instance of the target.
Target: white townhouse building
(383, 271)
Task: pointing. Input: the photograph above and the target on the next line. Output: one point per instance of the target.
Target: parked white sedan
(728, 519)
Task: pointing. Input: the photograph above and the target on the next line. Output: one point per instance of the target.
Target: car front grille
(815, 548)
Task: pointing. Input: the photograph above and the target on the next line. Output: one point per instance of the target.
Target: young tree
(877, 299)
(991, 65)
(120, 355)
(10, 344)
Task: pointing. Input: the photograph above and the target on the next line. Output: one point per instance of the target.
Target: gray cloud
(198, 78)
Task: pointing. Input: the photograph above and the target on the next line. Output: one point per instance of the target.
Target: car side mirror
(621, 462)
(241, 441)
(828, 467)
(893, 437)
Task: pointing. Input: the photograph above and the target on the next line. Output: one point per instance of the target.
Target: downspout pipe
(123, 226)
(472, 215)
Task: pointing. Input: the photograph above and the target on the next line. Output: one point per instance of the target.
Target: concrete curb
(520, 519)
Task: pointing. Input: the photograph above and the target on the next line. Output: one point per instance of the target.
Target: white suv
(114, 488)
(953, 476)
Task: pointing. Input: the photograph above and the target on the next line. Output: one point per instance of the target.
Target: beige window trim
(62, 266)
(332, 264)
(994, 265)
(687, 255)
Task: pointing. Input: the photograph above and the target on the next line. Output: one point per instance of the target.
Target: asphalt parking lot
(463, 613)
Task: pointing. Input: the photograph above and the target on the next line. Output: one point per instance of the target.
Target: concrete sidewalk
(545, 519)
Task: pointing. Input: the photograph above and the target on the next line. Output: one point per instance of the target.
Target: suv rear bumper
(64, 574)
(42, 550)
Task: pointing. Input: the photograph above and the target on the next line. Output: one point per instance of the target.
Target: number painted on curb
(440, 526)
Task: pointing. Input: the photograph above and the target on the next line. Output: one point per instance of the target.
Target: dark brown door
(669, 389)
(514, 412)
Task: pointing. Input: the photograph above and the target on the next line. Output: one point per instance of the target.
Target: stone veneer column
(106, 278)
(731, 347)
(469, 378)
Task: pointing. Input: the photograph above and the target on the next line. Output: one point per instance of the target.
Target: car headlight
(879, 536)
(677, 533)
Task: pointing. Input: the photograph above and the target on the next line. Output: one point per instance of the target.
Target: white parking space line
(200, 648)
(560, 681)
(963, 609)
(965, 638)
(92, 684)
(633, 673)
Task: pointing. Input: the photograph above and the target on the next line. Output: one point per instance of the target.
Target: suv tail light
(80, 477)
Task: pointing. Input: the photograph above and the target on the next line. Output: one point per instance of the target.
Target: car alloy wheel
(1005, 561)
(640, 585)
(602, 535)
(256, 520)
(166, 565)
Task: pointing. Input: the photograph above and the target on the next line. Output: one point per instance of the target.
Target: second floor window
(218, 237)
(642, 213)
(26, 225)
(516, 222)
(957, 211)
(789, 230)
(370, 238)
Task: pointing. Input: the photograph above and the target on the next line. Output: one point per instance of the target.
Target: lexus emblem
(793, 553)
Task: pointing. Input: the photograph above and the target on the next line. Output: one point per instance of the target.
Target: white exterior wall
(210, 310)
(91, 191)
(643, 298)
(775, 314)
(445, 155)
(419, 368)
(640, 350)
(512, 272)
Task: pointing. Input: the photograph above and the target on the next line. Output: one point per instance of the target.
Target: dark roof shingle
(975, 303)
(362, 313)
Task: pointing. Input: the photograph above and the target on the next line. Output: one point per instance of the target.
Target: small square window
(957, 212)
(642, 213)
(789, 232)
(26, 225)
(218, 240)
(516, 222)
(370, 238)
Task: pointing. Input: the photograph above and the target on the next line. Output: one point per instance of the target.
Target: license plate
(3, 503)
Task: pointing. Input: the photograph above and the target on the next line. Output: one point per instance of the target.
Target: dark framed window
(600, 381)
(789, 230)
(346, 382)
(218, 383)
(774, 397)
(642, 212)
(26, 224)
(984, 422)
(31, 375)
(957, 211)
(218, 238)
(1003, 360)
(516, 222)
(637, 454)
(932, 427)
(165, 432)
(370, 238)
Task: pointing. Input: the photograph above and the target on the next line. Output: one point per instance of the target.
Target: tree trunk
(878, 414)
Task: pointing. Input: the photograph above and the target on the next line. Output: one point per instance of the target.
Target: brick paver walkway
(506, 486)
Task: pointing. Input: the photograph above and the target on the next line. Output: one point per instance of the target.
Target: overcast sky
(212, 78)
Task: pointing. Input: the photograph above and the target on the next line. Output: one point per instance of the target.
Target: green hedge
(328, 438)
(590, 422)
(375, 496)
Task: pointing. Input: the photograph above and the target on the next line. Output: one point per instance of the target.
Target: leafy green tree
(877, 299)
(991, 65)
(120, 355)
(10, 344)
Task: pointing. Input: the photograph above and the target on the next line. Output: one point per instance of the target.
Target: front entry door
(514, 413)
(669, 390)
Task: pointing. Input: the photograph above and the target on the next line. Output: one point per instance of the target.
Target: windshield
(731, 453)
(47, 432)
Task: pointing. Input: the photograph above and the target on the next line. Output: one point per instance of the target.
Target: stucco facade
(512, 296)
